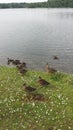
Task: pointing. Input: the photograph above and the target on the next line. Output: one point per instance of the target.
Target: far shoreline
(44, 4)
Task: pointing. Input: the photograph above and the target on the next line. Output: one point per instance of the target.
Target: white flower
(69, 127)
(36, 121)
(22, 78)
(51, 110)
(33, 104)
(23, 126)
(53, 118)
(5, 100)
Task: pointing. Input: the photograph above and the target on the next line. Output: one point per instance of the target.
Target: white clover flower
(20, 109)
(46, 112)
(35, 117)
(46, 92)
(45, 106)
(53, 118)
(17, 99)
(3, 114)
(8, 89)
(33, 104)
(63, 102)
(5, 100)
(37, 121)
(59, 96)
(1, 84)
(14, 110)
(23, 126)
(17, 109)
(61, 125)
(50, 110)
(25, 113)
(63, 116)
(63, 111)
(69, 127)
(37, 106)
(41, 109)
(22, 78)
(66, 98)
(35, 111)
(22, 104)
(52, 103)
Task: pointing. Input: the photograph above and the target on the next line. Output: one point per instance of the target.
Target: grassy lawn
(18, 111)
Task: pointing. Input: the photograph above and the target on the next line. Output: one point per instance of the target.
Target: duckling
(55, 58)
(43, 82)
(19, 67)
(9, 61)
(22, 71)
(16, 62)
(23, 64)
(28, 88)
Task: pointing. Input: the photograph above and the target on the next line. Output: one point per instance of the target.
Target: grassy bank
(18, 112)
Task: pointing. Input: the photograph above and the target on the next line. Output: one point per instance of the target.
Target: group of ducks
(20, 65)
(30, 90)
(42, 82)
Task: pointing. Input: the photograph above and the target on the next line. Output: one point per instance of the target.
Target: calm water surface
(35, 35)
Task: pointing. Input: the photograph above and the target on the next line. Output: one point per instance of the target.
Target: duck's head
(40, 77)
(24, 84)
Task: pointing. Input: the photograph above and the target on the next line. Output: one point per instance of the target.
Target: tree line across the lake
(49, 3)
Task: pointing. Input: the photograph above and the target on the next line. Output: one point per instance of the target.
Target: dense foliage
(49, 3)
(24, 5)
(60, 3)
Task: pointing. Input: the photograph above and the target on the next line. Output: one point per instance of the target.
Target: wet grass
(18, 112)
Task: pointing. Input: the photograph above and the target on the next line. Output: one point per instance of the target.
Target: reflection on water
(35, 35)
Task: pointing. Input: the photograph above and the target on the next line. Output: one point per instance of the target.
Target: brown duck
(28, 88)
(51, 70)
(38, 97)
(43, 82)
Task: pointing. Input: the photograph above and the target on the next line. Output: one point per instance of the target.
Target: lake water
(36, 35)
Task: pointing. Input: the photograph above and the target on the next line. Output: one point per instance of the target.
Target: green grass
(17, 112)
